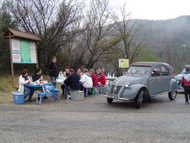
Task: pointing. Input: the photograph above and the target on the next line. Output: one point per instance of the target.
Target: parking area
(94, 121)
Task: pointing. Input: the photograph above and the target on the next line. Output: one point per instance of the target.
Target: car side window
(156, 71)
(164, 71)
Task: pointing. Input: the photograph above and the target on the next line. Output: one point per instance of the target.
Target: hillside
(166, 37)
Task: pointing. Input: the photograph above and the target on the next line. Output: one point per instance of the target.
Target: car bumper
(117, 98)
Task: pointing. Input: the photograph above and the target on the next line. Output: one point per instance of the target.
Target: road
(94, 121)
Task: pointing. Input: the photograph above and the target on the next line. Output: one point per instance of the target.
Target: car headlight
(127, 85)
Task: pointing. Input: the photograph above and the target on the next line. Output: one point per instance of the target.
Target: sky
(153, 9)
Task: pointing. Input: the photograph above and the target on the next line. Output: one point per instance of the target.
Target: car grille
(115, 89)
(112, 88)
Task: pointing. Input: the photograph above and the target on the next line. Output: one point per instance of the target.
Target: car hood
(129, 80)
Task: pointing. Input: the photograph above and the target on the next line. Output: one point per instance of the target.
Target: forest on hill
(168, 39)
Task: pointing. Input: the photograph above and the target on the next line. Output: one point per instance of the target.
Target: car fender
(173, 85)
(138, 87)
(132, 91)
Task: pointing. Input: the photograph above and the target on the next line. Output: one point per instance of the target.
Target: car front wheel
(172, 95)
(109, 100)
(139, 99)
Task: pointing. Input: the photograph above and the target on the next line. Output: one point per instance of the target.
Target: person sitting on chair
(86, 81)
(73, 81)
(101, 80)
(25, 79)
(37, 76)
(64, 86)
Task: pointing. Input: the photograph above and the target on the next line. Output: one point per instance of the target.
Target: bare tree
(126, 29)
(96, 39)
(53, 21)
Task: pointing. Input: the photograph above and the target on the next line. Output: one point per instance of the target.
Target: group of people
(85, 80)
(76, 79)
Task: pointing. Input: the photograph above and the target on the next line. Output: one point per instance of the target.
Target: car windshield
(139, 70)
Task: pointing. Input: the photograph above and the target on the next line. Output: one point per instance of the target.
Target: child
(101, 80)
(94, 77)
(25, 79)
(86, 81)
(94, 80)
(64, 87)
(37, 76)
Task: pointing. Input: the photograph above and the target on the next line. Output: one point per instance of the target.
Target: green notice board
(25, 51)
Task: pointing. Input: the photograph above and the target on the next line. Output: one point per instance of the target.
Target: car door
(154, 83)
(165, 78)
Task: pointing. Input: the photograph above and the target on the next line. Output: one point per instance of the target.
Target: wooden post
(37, 64)
(11, 61)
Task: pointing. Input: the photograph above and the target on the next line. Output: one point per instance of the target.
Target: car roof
(149, 64)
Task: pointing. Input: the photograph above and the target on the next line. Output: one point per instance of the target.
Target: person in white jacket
(24, 79)
(86, 81)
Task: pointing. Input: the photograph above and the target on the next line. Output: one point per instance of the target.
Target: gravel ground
(94, 121)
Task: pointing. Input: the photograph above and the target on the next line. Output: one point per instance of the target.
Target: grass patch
(6, 87)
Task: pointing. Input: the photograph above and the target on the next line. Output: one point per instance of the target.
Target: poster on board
(23, 52)
(123, 63)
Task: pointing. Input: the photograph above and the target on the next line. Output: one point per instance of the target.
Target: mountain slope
(168, 39)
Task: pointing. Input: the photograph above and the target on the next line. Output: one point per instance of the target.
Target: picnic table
(43, 90)
(37, 85)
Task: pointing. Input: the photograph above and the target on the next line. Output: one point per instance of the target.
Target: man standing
(186, 85)
(53, 70)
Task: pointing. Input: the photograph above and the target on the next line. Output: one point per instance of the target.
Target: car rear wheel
(172, 95)
(109, 100)
(139, 99)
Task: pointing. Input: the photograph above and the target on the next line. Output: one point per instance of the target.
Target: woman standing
(53, 71)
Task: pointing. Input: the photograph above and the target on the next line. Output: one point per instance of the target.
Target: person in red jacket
(185, 81)
(94, 77)
(101, 80)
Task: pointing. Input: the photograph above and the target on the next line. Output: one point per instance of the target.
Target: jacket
(94, 80)
(101, 79)
(86, 81)
(186, 80)
(73, 81)
(22, 81)
(53, 70)
(36, 77)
